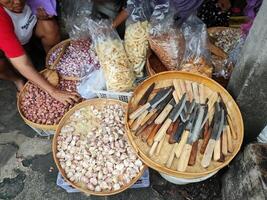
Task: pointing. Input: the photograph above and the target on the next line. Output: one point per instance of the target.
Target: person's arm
(25, 67)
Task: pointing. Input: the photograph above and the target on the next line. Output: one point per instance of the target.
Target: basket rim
(54, 149)
(158, 167)
(60, 44)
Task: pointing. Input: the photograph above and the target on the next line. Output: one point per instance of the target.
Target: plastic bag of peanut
(165, 38)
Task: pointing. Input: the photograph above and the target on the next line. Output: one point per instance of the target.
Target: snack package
(197, 56)
(136, 36)
(165, 38)
(112, 56)
(75, 15)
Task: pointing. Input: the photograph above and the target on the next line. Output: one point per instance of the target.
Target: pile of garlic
(93, 149)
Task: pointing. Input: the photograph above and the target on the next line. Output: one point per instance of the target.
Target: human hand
(65, 97)
(42, 14)
(224, 4)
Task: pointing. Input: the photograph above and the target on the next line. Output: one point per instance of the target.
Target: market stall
(174, 119)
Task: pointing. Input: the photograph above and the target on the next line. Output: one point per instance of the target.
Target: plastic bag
(224, 67)
(197, 56)
(112, 56)
(74, 16)
(165, 38)
(136, 35)
(90, 83)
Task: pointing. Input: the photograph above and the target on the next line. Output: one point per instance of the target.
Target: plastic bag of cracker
(165, 37)
(197, 56)
(136, 35)
(113, 59)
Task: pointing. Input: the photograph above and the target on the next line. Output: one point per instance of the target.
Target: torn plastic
(112, 56)
(165, 38)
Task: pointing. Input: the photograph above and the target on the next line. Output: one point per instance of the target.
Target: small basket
(64, 44)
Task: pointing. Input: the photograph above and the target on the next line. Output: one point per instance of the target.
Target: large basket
(163, 80)
(97, 103)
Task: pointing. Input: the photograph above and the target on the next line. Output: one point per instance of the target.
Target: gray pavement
(28, 172)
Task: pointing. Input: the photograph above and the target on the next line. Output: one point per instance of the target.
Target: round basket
(30, 123)
(97, 103)
(64, 44)
(165, 79)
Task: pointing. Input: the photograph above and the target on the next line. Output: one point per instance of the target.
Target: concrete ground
(28, 172)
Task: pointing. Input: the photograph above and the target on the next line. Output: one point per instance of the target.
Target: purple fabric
(251, 11)
(184, 8)
(48, 5)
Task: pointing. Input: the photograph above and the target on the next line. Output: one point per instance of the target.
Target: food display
(188, 127)
(92, 151)
(169, 48)
(54, 55)
(78, 60)
(136, 45)
(198, 66)
(225, 38)
(37, 106)
(115, 64)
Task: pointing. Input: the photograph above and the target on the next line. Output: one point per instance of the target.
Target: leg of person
(48, 32)
(7, 72)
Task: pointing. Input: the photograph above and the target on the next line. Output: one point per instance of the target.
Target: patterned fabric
(213, 15)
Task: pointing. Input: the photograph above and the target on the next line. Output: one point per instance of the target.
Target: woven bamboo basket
(64, 44)
(156, 162)
(97, 103)
(30, 123)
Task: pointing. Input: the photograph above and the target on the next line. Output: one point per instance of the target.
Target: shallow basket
(163, 80)
(97, 103)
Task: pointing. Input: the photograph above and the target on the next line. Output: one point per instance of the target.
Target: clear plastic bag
(90, 83)
(136, 35)
(197, 56)
(224, 67)
(112, 56)
(165, 38)
(74, 16)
